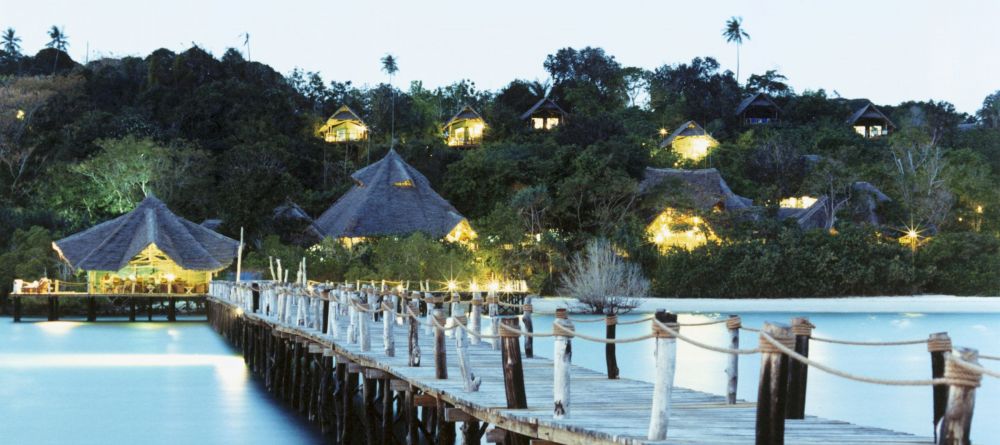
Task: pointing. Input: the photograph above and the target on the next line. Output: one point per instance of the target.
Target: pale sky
(888, 51)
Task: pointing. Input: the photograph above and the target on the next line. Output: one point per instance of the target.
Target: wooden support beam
(425, 400)
(497, 435)
(456, 415)
(798, 372)
(440, 352)
(171, 309)
(939, 346)
(131, 309)
(91, 309)
(733, 364)
(957, 421)
(663, 385)
(17, 308)
(610, 357)
(772, 393)
(375, 373)
(399, 385)
(53, 308)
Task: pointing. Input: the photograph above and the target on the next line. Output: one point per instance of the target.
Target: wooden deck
(602, 411)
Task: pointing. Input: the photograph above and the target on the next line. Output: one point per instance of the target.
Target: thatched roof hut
(150, 240)
(344, 126)
(758, 108)
(391, 198)
(870, 122)
(545, 114)
(465, 129)
(690, 141)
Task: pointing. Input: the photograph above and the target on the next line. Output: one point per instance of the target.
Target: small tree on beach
(603, 281)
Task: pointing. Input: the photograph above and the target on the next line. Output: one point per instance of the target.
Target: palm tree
(390, 67)
(734, 33)
(60, 41)
(11, 44)
(59, 38)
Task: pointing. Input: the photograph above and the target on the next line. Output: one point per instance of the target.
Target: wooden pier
(367, 385)
(138, 303)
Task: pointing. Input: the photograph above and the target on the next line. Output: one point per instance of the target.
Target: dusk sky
(888, 51)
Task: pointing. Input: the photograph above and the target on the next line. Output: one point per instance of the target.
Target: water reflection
(154, 383)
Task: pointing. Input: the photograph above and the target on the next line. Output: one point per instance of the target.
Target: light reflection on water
(72, 382)
(899, 408)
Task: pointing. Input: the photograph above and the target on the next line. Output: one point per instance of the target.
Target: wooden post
(131, 308)
(440, 356)
(149, 309)
(773, 391)
(17, 308)
(957, 421)
(171, 309)
(733, 324)
(529, 341)
(352, 313)
(91, 309)
(388, 321)
(53, 308)
(414, 343)
(494, 311)
(562, 357)
(939, 346)
(513, 373)
(609, 348)
(475, 317)
(410, 412)
(666, 354)
(469, 379)
(325, 319)
(798, 372)
(364, 333)
(386, 434)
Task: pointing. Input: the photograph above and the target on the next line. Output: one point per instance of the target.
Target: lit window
(551, 123)
(803, 202)
(404, 183)
(538, 123)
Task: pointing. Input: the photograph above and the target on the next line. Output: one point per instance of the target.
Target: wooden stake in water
(666, 354)
(733, 365)
(562, 357)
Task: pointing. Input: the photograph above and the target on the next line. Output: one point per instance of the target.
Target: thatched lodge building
(758, 108)
(545, 114)
(465, 129)
(344, 126)
(149, 249)
(391, 198)
(690, 141)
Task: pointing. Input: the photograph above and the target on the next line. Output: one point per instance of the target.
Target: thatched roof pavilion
(391, 198)
(465, 129)
(150, 243)
(344, 126)
(545, 114)
(870, 122)
(690, 141)
(758, 108)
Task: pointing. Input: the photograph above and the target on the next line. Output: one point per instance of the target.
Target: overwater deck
(602, 410)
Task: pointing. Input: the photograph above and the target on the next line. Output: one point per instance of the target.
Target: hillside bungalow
(690, 193)
(870, 122)
(690, 141)
(545, 115)
(465, 129)
(816, 213)
(344, 126)
(758, 109)
(148, 250)
(391, 198)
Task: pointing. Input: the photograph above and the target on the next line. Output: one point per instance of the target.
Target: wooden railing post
(513, 372)
(939, 346)
(431, 304)
(733, 324)
(491, 299)
(798, 372)
(609, 348)
(388, 321)
(475, 317)
(562, 357)
(414, 343)
(469, 379)
(773, 391)
(529, 342)
(666, 355)
(91, 309)
(957, 421)
(352, 314)
(364, 332)
(440, 357)
(53, 308)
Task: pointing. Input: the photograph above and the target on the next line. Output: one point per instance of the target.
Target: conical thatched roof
(704, 188)
(112, 244)
(390, 197)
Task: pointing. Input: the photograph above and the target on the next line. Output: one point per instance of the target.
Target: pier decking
(301, 360)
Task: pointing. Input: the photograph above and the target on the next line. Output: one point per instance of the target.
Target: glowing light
(170, 277)
(473, 286)
(979, 209)
(57, 327)
(802, 202)
(20, 115)
(452, 285)
(494, 286)
(672, 228)
(508, 287)
(663, 132)
(239, 311)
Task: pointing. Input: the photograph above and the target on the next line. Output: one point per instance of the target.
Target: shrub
(963, 263)
(603, 281)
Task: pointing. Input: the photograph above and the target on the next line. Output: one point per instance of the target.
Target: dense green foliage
(231, 139)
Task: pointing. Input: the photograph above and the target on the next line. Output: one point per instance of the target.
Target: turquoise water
(148, 383)
(899, 408)
(170, 383)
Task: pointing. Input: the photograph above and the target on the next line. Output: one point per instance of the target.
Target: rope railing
(869, 343)
(699, 344)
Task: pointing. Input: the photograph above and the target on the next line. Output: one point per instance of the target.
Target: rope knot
(459, 319)
(387, 307)
(961, 375)
(767, 347)
(802, 327)
(611, 320)
(734, 323)
(526, 308)
(561, 314)
(660, 332)
(563, 328)
(939, 344)
(509, 332)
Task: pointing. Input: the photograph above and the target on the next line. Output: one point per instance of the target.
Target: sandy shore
(900, 304)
